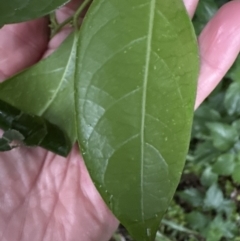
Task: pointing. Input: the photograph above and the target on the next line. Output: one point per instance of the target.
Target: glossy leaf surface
(14, 11)
(46, 89)
(135, 89)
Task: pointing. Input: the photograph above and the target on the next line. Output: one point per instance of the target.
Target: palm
(47, 197)
(44, 196)
(42, 192)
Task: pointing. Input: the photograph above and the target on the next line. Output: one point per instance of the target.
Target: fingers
(191, 6)
(219, 45)
(21, 45)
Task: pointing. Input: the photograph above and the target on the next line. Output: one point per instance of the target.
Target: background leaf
(192, 196)
(236, 174)
(46, 89)
(225, 164)
(135, 90)
(224, 136)
(14, 11)
(214, 197)
(208, 177)
(232, 99)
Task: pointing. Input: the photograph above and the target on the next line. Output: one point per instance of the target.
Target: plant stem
(61, 25)
(53, 20)
(74, 18)
(78, 13)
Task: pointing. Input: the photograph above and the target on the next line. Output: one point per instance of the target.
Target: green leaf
(197, 220)
(214, 197)
(19, 11)
(224, 136)
(232, 99)
(192, 196)
(34, 130)
(46, 89)
(203, 115)
(208, 177)
(227, 207)
(234, 72)
(4, 145)
(225, 164)
(216, 100)
(160, 237)
(10, 139)
(220, 228)
(236, 174)
(205, 152)
(178, 227)
(135, 90)
(236, 125)
(205, 11)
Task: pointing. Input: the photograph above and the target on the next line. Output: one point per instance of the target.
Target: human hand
(46, 197)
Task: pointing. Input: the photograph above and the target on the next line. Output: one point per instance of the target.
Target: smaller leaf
(224, 136)
(48, 86)
(236, 125)
(234, 72)
(159, 237)
(214, 197)
(236, 174)
(13, 135)
(216, 100)
(19, 11)
(4, 145)
(214, 231)
(192, 196)
(205, 11)
(178, 227)
(31, 130)
(225, 164)
(10, 140)
(205, 152)
(197, 220)
(232, 99)
(227, 207)
(208, 177)
(202, 115)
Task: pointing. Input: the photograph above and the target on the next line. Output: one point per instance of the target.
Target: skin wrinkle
(20, 38)
(57, 196)
(24, 200)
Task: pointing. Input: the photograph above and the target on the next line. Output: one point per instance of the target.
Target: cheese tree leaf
(135, 85)
(19, 11)
(232, 99)
(223, 135)
(46, 89)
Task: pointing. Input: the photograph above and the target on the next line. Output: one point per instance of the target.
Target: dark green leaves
(232, 99)
(225, 164)
(22, 128)
(135, 89)
(224, 136)
(46, 89)
(214, 197)
(22, 10)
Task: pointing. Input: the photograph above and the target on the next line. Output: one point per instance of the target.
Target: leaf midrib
(69, 63)
(144, 95)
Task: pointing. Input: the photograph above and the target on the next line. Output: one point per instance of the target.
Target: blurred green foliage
(206, 206)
